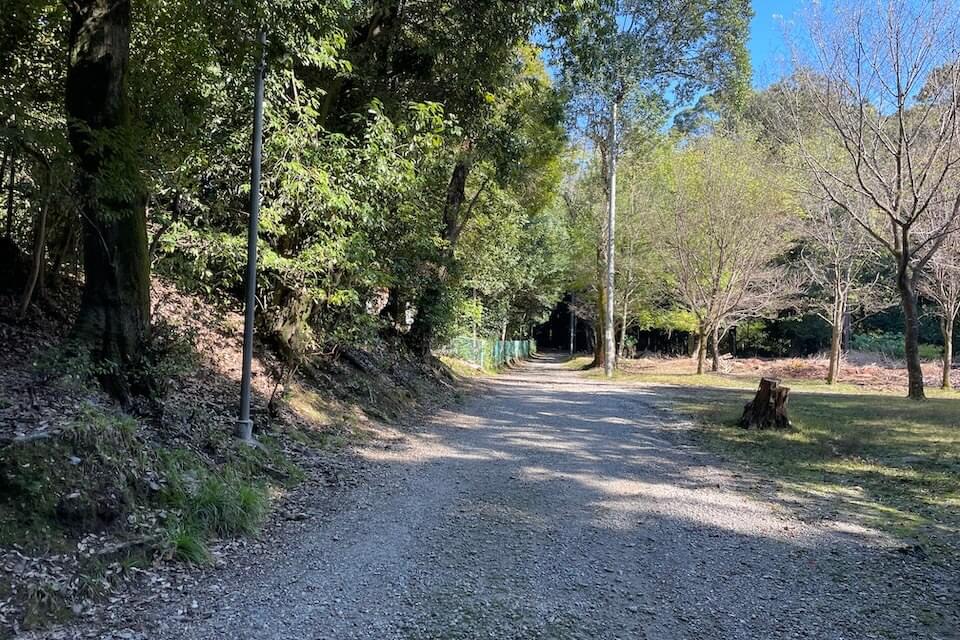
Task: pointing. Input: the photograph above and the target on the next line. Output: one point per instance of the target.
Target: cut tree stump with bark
(768, 409)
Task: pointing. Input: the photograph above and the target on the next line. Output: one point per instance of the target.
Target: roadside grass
(464, 369)
(99, 475)
(866, 457)
(875, 459)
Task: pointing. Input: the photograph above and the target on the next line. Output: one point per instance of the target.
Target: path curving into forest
(554, 506)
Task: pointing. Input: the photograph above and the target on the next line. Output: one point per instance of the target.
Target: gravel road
(553, 506)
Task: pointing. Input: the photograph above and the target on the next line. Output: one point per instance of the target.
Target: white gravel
(552, 506)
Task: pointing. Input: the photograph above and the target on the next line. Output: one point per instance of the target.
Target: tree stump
(768, 409)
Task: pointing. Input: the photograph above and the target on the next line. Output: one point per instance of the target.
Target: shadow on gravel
(594, 479)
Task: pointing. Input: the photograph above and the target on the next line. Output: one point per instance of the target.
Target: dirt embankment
(100, 507)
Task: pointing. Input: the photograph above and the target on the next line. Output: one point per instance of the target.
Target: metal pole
(244, 429)
(609, 361)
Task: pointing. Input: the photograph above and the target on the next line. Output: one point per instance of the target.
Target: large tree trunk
(431, 301)
(946, 328)
(911, 335)
(114, 317)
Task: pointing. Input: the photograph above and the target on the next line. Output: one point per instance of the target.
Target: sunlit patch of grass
(578, 363)
(872, 458)
(465, 369)
(308, 404)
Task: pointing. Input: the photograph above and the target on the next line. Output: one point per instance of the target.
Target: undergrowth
(98, 475)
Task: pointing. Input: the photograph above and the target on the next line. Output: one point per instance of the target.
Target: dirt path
(558, 507)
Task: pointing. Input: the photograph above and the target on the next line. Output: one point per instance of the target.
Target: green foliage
(85, 478)
(188, 546)
(755, 337)
(890, 345)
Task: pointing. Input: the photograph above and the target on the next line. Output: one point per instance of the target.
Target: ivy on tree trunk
(114, 316)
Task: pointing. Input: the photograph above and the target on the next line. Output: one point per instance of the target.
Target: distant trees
(839, 262)
(620, 60)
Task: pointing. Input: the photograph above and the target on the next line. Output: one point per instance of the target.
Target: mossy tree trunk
(114, 317)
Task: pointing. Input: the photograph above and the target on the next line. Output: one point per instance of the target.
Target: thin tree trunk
(911, 335)
(39, 248)
(715, 335)
(430, 303)
(114, 316)
(600, 330)
(701, 350)
(610, 355)
(3, 173)
(8, 231)
(836, 338)
(623, 329)
(946, 327)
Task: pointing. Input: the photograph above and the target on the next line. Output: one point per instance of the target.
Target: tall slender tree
(619, 56)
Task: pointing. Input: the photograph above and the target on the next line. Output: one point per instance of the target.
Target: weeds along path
(552, 506)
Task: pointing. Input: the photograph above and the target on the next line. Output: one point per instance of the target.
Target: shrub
(890, 345)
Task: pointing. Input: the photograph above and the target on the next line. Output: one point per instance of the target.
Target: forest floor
(559, 506)
(103, 509)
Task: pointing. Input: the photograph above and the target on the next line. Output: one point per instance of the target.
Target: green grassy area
(871, 458)
(99, 475)
(465, 369)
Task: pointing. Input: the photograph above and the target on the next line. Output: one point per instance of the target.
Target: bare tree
(940, 282)
(724, 222)
(865, 67)
(838, 257)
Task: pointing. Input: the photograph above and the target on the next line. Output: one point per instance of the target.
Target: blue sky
(768, 50)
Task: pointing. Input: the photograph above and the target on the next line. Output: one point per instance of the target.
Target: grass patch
(87, 478)
(875, 459)
(465, 369)
(99, 473)
(188, 546)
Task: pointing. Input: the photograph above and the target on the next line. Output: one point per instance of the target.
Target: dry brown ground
(864, 370)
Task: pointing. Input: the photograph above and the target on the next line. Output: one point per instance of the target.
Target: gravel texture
(553, 506)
